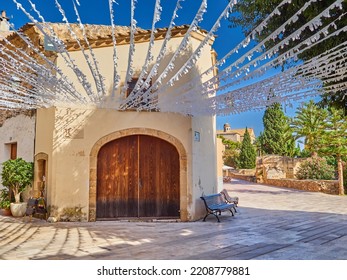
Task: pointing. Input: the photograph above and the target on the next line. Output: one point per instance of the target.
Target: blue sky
(97, 12)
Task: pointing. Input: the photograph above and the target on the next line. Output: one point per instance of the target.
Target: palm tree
(325, 132)
(309, 124)
(334, 140)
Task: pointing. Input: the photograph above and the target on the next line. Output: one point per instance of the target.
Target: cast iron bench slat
(215, 204)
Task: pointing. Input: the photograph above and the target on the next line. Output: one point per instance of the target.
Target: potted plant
(17, 175)
(5, 202)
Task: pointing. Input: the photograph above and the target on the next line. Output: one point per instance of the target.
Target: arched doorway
(138, 176)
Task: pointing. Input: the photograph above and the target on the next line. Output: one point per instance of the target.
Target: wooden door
(138, 176)
(159, 178)
(117, 179)
(13, 154)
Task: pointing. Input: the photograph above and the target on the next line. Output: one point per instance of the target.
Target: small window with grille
(131, 87)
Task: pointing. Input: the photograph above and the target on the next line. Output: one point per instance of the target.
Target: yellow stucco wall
(69, 135)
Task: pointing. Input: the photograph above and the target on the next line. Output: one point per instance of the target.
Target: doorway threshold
(143, 219)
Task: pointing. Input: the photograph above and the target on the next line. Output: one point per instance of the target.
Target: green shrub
(4, 199)
(16, 175)
(316, 168)
(345, 178)
(230, 157)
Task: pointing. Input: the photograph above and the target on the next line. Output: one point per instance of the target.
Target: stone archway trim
(138, 131)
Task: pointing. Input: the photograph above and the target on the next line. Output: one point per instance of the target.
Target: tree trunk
(17, 197)
(16, 194)
(340, 175)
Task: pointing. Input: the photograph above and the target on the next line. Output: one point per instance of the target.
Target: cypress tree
(277, 137)
(248, 154)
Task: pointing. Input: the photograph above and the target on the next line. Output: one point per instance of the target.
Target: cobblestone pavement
(271, 223)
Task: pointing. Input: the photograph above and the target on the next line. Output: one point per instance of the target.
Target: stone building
(15, 142)
(235, 135)
(4, 27)
(100, 163)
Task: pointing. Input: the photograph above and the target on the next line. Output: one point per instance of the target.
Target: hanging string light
(242, 83)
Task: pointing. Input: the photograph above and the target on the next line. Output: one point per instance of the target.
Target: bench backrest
(213, 199)
(228, 198)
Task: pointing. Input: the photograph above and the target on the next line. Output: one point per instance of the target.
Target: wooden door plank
(117, 178)
(148, 171)
(159, 174)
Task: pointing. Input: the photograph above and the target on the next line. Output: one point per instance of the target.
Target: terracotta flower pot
(5, 212)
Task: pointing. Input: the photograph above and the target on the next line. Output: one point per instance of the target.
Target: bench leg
(217, 216)
(214, 214)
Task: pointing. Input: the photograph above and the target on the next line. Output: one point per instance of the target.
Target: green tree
(231, 157)
(277, 135)
(248, 154)
(231, 153)
(334, 100)
(291, 147)
(309, 123)
(334, 140)
(257, 144)
(250, 13)
(17, 174)
(325, 133)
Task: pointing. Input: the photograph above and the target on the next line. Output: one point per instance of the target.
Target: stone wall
(280, 172)
(276, 167)
(7, 114)
(242, 174)
(324, 186)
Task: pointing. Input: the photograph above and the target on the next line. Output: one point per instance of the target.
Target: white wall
(204, 162)
(20, 130)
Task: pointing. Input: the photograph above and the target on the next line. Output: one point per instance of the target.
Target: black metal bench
(215, 204)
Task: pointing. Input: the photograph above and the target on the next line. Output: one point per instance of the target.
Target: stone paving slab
(271, 223)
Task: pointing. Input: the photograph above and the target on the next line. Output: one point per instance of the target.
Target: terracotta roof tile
(101, 35)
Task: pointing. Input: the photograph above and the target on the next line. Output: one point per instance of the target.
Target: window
(131, 86)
